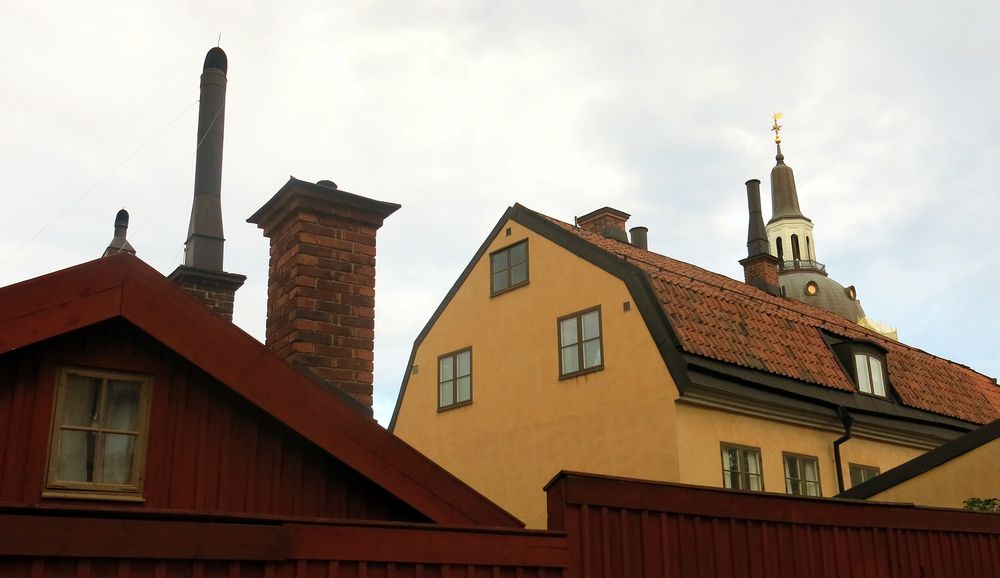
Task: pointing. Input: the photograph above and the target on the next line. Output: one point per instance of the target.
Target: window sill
(85, 495)
(581, 372)
(507, 289)
(454, 405)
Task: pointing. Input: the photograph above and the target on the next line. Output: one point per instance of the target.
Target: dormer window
(864, 362)
(871, 377)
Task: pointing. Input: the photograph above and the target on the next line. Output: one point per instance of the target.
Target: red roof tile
(721, 318)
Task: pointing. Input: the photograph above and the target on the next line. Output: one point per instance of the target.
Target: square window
(741, 468)
(580, 346)
(861, 474)
(802, 475)
(509, 268)
(455, 379)
(99, 433)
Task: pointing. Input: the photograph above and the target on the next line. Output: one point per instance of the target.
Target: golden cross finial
(777, 127)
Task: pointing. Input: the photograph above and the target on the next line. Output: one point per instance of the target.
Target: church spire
(784, 197)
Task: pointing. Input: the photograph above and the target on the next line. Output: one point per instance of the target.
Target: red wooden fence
(52, 544)
(633, 529)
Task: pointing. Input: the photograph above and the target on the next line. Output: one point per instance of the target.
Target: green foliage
(982, 504)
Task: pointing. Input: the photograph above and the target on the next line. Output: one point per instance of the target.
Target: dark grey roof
(830, 295)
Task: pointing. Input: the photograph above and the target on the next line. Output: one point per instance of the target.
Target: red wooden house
(142, 434)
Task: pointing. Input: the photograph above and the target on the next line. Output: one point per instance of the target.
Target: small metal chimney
(639, 235)
(119, 244)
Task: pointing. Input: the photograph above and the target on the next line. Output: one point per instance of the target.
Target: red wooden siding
(209, 450)
(49, 546)
(631, 529)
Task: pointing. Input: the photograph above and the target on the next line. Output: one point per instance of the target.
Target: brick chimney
(760, 268)
(605, 221)
(321, 281)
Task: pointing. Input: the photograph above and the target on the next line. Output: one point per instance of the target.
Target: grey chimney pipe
(204, 246)
(639, 238)
(757, 243)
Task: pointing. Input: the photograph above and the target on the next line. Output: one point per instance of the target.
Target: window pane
(731, 480)
(856, 476)
(812, 489)
(500, 280)
(591, 325)
(730, 459)
(791, 468)
(122, 406)
(500, 261)
(76, 456)
(464, 363)
(567, 331)
(518, 253)
(878, 384)
(446, 396)
(119, 450)
(570, 359)
(753, 461)
(810, 470)
(864, 382)
(447, 368)
(464, 389)
(80, 399)
(591, 353)
(755, 483)
(519, 273)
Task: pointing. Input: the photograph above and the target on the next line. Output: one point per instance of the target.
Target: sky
(457, 110)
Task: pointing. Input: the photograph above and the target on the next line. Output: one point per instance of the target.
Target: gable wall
(970, 475)
(208, 450)
(524, 423)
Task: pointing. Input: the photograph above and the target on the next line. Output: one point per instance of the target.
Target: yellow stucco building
(572, 347)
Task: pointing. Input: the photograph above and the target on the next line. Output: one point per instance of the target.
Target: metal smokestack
(204, 246)
(757, 243)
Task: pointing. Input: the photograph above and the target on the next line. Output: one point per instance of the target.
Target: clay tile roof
(727, 320)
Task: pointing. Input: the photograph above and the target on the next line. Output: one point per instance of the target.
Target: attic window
(870, 374)
(865, 363)
(98, 436)
(509, 268)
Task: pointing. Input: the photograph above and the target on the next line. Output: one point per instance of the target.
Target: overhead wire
(100, 181)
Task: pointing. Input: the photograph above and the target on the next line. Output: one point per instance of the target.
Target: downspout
(848, 421)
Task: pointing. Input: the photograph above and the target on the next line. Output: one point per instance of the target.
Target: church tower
(790, 236)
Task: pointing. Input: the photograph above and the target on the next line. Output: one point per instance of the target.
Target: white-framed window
(802, 475)
(99, 435)
(455, 379)
(741, 468)
(871, 374)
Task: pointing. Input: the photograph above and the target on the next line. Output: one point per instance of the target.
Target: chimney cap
(320, 197)
(216, 58)
(603, 211)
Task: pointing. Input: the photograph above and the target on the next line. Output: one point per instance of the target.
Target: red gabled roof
(124, 286)
(720, 318)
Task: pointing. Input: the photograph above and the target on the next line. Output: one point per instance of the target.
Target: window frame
(510, 286)
(785, 456)
(454, 391)
(869, 357)
(581, 370)
(133, 492)
(744, 476)
(851, 467)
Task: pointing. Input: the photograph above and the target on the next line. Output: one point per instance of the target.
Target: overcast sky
(457, 110)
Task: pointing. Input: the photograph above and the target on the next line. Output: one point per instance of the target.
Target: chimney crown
(605, 221)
